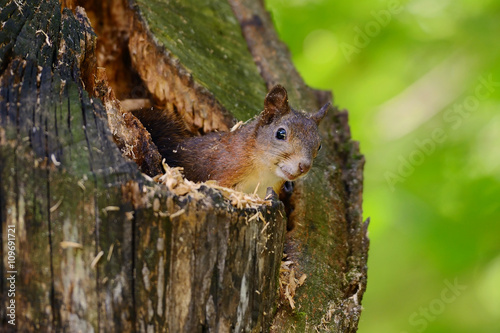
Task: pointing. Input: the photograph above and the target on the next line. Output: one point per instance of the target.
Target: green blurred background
(421, 81)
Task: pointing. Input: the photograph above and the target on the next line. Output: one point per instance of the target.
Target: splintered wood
(175, 182)
(289, 282)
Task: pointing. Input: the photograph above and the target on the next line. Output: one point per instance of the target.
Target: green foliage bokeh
(421, 81)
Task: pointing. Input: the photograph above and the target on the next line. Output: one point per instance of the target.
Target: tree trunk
(90, 242)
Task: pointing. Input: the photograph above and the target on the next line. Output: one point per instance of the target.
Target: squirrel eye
(281, 134)
(319, 148)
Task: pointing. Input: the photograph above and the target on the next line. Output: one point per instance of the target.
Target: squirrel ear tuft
(320, 114)
(275, 104)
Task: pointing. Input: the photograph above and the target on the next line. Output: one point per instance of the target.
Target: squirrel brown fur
(277, 146)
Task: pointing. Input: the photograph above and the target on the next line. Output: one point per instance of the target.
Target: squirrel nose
(304, 167)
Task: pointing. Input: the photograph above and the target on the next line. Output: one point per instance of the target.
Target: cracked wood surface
(100, 248)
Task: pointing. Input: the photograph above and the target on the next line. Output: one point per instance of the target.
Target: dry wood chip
(80, 183)
(54, 208)
(129, 215)
(178, 213)
(256, 188)
(254, 217)
(291, 281)
(236, 126)
(182, 189)
(292, 303)
(261, 217)
(53, 158)
(265, 227)
(69, 244)
(175, 182)
(110, 252)
(289, 298)
(156, 204)
(288, 283)
(107, 209)
(96, 259)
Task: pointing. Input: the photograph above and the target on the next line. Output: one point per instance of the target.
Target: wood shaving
(107, 209)
(176, 183)
(54, 208)
(96, 259)
(236, 126)
(256, 188)
(72, 245)
(80, 183)
(288, 283)
(53, 158)
(178, 213)
(156, 204)
(265, 227)
(110, 252)
(129, 215)
(254, 217)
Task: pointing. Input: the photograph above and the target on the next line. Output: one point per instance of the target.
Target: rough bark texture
(101, 247)
(329, 240)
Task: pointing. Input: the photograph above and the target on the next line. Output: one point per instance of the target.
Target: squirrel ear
(275, 104)
(320, 114)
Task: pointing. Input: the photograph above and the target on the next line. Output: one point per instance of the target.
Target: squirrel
(277, 146)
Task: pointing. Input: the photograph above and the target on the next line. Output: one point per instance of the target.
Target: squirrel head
(288, 140)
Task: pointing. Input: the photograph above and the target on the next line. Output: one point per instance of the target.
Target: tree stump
(97, 244)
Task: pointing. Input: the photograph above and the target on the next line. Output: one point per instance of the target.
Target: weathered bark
(102, 247)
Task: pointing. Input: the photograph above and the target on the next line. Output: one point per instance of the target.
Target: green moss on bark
(206, 38)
